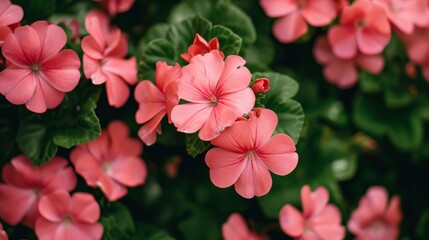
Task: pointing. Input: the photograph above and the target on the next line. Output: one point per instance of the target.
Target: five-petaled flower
(245, 153)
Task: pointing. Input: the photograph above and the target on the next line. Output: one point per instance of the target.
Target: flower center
(213, 101)
(105, 166)
(378, 227)
(67, 221)
(35, 67)
(37, 192)
(301, 3)
(360, 23)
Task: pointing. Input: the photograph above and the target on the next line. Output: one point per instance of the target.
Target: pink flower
(374, 218)
(25, 184)
(200, 46)
(296, 13)
(156, 101)
(217, 93)
(104, 50)
(343, 72)
(68, 217)
(319, 220)
(404, 14)
(363, 27)
(3, 234)
(112, 162)
(38, 74)
(10, 14)
(261, 85)
(116, 6)
(235, 228)
(245, 153)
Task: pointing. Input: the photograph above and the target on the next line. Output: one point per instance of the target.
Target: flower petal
(147, 132)
(117, 90)
(291, 221)
(23, 90)
(124, 68)
(15, 203)
(225, 166)
(52, 38)
(279, 154)
(371, 63)
(91, 48)
(190, 117)
(235, 228)
(54, 206)
(10, 77)
(255, 179)
(278, 8)
(343, 41)
(111, 189)
(84, 208)
(151, 101)
(221, 117)
(31, 49)
(342, 73)
(235, 75)
(128, 170)
(371, 42)
(13, 52)
(289, 28)
(319, 12)
(210, 65)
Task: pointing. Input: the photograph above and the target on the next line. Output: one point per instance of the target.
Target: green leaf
(341, 161)
(370, 83)
(200, 225)
(195, 146)
(188, 9)
(230, 43)
(117, 222)
(282, 88)
(291, 119)
(158, 30)
(148, 232)
(156, 50)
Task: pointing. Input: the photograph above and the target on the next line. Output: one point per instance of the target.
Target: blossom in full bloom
(116, 6)
(319, 220)
(111, 162)
(294, 15)
(404, 14)
(217, 93)
(235, 228)
(103, 60)
(363, 27)
(10, 16)
(201, 46)
(38, 74)
(245, 153)
(375, 218)
(25, 184)
(156, 101)
(3, 234)
(68, 217)
(261, 85)
(343, 72)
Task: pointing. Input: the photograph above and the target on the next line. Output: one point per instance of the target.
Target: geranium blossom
(245, 153)
(112, 162)
(65, 217)
(404, 14)
(38, 74)
(25, 184)
(156, 101)
(363, 27)
(116, 6)
(10, 15)
(217, 93)
(343, 72)
(235, 228)
(319, 220)
(103, 60)
(294, 15)
(374, 218)
(201, 46)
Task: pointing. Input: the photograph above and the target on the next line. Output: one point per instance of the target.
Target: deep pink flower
(363, 27)
(294, 15)
(235, 228)
(112, 162)
(3, 234)
(10, 14)
(65, 217)
(319, 220)
(103, 60)
(116, 6)
(38, 74)
(217, 93)
(261, 85)
(343, 72)
(404, 14)
(201, 46)
(374, 218)
(25, 184)
(156, 101)
(245, 153)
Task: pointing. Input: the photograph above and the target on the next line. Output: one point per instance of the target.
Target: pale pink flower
(217, 93)
(3, 234)
(343, 72)
(404, 14)
(294, 15)
(245, 153)
(235, 228)
(112, 162)
(319, 220)
(261, 85)
(10, 14)
(25, 184)
(374, 218)
(38, 74)
(201, 46)
(156, 101)
(116, 6)
(65, 217)
(363, 28)
(103, 60)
